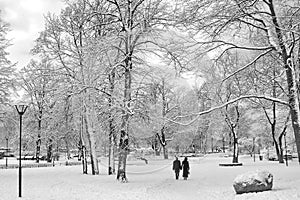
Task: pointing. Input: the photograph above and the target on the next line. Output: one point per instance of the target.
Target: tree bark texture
(38, 141)
(290, 77)
(112, 142)
(162, 140)
(233, 132)
(235, 158)
(91, 133)
(82, 146)
(123, 149)
(112, 131)
(294, 107)
(49, 150)
(124, 137)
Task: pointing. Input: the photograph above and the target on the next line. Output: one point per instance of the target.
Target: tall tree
(6, 67)
(37, 81)
(266, 32)
(74, 40)
(268, 77)
(137, 21)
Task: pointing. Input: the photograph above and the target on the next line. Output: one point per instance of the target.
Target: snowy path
(154, 181)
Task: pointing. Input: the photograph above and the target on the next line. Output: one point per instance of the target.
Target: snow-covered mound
(257, 181)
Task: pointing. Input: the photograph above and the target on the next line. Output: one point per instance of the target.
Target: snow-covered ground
(153, 181)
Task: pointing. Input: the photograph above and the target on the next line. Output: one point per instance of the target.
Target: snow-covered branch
(249, 64)
(197, 115)
(224, 43)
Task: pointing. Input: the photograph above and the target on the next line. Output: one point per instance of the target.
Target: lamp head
(21, 108)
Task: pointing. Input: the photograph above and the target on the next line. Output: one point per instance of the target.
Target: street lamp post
(21, 110)
(6, 164)
(253, 146)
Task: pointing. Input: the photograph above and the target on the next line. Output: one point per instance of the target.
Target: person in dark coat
(185, 168)
(176, 167)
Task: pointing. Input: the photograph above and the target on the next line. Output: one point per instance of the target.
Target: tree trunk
(124, 138)
(212, 144)
(123, 148)
(82, 146)
(155, 145)
(50, 150)
(223, 143)
(290, 77)
(112, 134)
(38, 141)
(235, 158)
(89, 127)
(281, 158)
(294, 106)
(67, 148)
(165, 150)
(111, 154)
(233, 127)
(279, 155)
(84, 160)
(204, 144)
(278, 152)
(66, 138)
(164, 113)
(163, 142)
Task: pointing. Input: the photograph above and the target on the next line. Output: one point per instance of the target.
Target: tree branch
(249, 64)
(224, 105)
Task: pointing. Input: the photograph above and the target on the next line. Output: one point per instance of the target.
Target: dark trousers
(176, 174)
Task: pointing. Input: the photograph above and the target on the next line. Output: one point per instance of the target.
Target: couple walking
(177, 166)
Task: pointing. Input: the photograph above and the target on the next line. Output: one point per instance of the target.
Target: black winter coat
(176, 165)
(186, 168)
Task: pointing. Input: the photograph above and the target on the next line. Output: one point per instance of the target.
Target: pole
(21, 110)
(6, 164)
(20, 166)
(254, 149)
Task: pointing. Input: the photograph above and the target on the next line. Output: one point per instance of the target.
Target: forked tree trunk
(82, 146)
(89, 127)
(82, 156)
(233, 127)
(278, 152)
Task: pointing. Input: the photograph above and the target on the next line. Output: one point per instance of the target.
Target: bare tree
(38, 84)
(77, 41)
(6, 67)
(137, 22)
(266, 33)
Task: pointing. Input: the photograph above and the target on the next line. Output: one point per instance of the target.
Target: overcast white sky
(26, 19)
